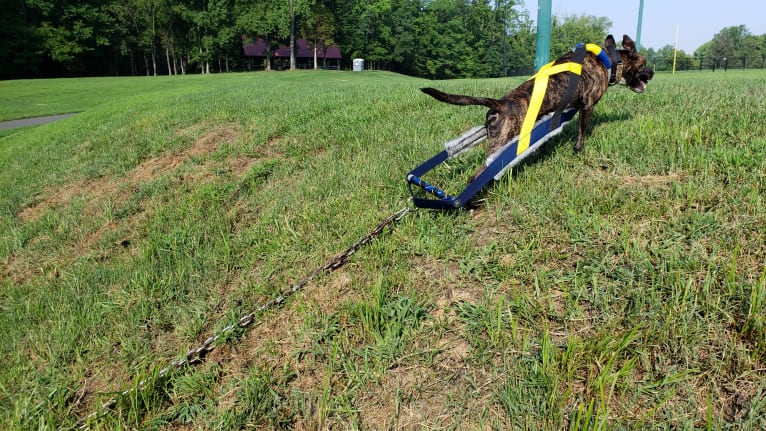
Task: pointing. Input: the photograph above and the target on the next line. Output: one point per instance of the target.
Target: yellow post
(675, 52)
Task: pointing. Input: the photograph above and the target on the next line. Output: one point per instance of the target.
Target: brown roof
(303, 50)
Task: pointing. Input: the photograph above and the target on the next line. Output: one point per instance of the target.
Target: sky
(697, 21)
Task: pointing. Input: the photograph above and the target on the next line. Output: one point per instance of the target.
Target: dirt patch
(239, 166)
(637, 180)
(14, 269)
(96, 194)
(56, 198)
(97, 387)
(650, 180)
(407, 399)
(418, 396)
(144, 172)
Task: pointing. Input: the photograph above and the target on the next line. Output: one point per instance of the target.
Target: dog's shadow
(568, 136)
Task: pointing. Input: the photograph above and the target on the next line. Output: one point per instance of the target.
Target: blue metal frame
(506, 159)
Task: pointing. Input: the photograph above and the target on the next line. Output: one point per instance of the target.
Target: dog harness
(574, 67)
(615, 74)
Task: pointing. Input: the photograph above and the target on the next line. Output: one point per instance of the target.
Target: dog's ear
(627, 43)
(609, 41)
(456, 99)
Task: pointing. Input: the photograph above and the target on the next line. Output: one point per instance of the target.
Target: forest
(438, 39)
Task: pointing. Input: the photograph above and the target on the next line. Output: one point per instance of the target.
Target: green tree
(727, 42)
(430, 38)
(217, 32)
(521, 43)
(730, 43)
(663, 59)
(18, 52)
(570, 30)
(484, 35)
(318, 27)
(228, 42)
(129, 29)
(403, 40)
(754, 48)
(443, 49)
(269, 19)
(298, 10)
(376, 32)
(71, 31)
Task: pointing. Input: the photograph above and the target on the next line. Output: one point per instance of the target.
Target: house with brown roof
(257, 54)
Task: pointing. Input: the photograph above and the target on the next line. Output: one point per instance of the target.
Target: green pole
(543, 47)
(640, 19)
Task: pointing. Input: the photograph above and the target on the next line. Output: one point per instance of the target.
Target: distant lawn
(620, 288)
(39, 97)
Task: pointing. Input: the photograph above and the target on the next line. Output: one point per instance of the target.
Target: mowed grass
(620, 288)
(24, 98)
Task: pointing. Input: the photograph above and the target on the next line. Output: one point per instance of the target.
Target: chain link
(197, 355)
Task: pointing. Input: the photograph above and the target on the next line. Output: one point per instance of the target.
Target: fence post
(543, 47)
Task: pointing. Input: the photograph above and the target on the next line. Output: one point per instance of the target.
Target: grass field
(620, 288)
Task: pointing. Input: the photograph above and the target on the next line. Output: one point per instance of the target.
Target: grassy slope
(623, 287)
(25, 98)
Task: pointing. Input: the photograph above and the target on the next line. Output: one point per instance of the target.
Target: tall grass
(619, 288)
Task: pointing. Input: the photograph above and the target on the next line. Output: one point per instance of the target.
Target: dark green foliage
(437, 39)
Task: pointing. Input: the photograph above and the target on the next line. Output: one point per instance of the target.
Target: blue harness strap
(574, 81)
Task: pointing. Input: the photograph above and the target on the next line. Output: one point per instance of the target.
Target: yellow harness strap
(538, 93)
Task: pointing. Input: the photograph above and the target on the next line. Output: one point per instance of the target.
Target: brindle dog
(506, 114)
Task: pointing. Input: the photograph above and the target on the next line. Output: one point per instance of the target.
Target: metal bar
(428, 187)
(466, 141)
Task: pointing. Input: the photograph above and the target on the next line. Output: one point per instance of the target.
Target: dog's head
(635, 74)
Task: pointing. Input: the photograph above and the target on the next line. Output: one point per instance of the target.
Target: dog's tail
(457, 99)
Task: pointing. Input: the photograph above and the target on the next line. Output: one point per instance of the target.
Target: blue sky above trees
(697, 21)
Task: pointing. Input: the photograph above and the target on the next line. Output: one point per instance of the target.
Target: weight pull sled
(532, 136)
(497, 163)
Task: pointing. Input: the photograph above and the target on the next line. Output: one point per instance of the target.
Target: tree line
(732, 47)
(428, 38)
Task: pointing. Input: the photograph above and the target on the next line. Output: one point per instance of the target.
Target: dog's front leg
(584, 118)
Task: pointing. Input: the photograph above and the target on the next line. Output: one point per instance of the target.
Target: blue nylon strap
(600, 53)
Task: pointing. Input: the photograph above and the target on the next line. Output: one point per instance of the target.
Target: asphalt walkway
(25, 122)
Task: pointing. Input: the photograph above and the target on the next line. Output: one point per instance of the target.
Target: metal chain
(197, 354)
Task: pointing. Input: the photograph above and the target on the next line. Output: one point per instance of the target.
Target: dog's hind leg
(582, 126)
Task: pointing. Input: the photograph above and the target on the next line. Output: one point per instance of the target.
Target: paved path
(24, 122)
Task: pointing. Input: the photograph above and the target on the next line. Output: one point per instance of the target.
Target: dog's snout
(646, 74)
